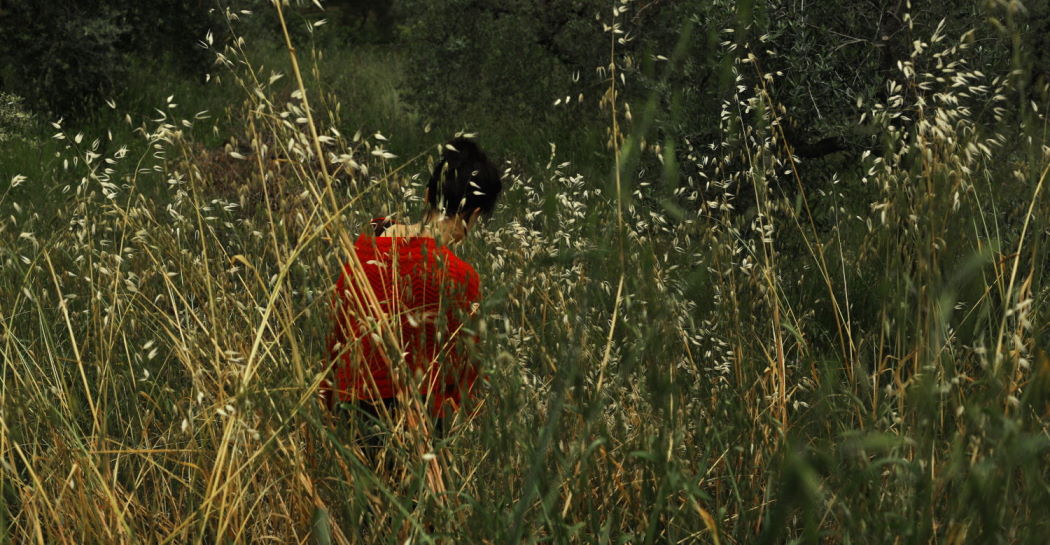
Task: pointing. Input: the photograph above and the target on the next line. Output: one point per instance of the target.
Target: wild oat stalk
(763, 350)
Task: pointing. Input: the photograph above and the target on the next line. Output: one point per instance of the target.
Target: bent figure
(399, 331)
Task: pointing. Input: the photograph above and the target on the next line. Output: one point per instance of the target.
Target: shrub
(65, 57)
(15, 120)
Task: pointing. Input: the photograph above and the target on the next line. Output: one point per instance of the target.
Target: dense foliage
(67, 57)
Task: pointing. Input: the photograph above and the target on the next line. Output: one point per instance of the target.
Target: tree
(65, 56)
(497, 57)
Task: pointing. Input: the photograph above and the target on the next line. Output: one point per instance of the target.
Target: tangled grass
(730, 358)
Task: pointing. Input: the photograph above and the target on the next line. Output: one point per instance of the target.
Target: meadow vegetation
(724, 300)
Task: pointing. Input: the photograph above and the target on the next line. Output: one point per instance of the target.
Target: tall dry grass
(733, 358)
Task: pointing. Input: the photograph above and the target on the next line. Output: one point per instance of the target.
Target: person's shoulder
(458, 265)
(464, 274)
(365, 245)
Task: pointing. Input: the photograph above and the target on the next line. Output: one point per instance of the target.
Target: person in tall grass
(399, 335)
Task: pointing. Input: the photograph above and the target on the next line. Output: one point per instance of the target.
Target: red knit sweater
(426, 291)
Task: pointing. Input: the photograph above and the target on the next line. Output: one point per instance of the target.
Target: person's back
(399, 318)
(425, 291)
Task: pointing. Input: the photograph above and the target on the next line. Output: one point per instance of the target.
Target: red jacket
(426, 291)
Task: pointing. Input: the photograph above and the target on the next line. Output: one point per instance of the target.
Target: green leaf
(322, 527)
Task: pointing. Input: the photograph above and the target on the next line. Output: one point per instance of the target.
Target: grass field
(735, 357)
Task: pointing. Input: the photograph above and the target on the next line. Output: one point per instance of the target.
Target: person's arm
(466, 372)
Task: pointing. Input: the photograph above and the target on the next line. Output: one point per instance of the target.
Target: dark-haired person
(411, 281)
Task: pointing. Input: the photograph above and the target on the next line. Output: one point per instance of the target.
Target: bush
(62, 58)
(65, 57)
(498, 59)
(15, 120)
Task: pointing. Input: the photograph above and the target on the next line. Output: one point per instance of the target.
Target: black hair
(464, 180)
